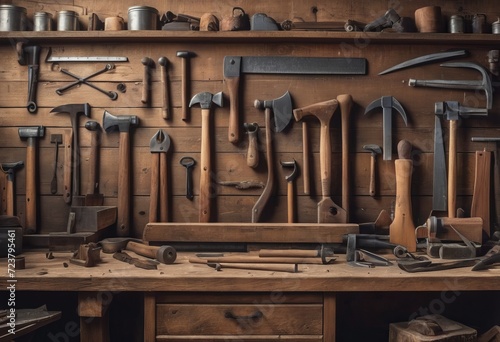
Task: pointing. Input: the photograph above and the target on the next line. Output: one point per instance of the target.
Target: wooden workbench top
(57, 274)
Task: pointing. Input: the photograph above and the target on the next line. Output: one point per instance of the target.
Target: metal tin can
(142, 18)
(495, 27)
(67, 21)
(42, 21)
(456, 24)
(12, 18)
(479, 23)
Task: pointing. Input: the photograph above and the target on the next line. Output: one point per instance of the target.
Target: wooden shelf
(249, 37)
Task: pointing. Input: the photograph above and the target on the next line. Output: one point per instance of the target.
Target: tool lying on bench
(219, 266)
(164, 254)
(84, 80)
(140, 263)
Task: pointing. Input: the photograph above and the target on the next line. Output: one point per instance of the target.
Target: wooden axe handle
(305, 158)
(345, 103)
(206, 168)
(123, 211)
(142, 249)
(94, 145)
(163, 188)
(68, 143)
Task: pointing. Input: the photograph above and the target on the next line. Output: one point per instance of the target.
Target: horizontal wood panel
(276, 297)
(199, 319)
(240, 338)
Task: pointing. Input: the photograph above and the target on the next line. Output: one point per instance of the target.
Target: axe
(282, 109)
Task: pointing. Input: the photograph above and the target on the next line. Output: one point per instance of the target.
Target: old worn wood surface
(232, 205)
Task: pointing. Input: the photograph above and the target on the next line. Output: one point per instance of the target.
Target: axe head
(119, 123)
(282, 109)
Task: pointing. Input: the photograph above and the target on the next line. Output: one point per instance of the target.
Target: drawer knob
(255, 316)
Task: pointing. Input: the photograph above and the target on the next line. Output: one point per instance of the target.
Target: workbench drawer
(249, 317)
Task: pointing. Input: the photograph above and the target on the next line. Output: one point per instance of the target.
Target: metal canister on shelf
(67, 21)
(456, 24)
(479, 24)
(143, 18)
(495, 27)
(42, 21)
(12, 18)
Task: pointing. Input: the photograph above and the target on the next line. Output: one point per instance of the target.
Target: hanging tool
(165, 109)
(10, 169)
(93, 197)
(433, 57)
(328, 211)
(388, 103)
(306, 157)
(290, 193)
(439, 176)
(282, 109)
(84, 80)
(234, 66)
(253, 144)
(74, 111)
(30, 56)
(186, 56)
(207, 190)
(149, 64)
(345, 103)
(374, 150)
(122, 124)
(484, 84)
(67, 166)
(55, 139)
(453, 111)
(243, 185)
(188, 163)
(402, 228)
(159, 146)
(31, 134)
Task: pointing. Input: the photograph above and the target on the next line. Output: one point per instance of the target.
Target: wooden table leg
(329, 316)
(94, 317)
(149, 317)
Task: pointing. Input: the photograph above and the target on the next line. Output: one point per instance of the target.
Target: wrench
(111, 94)
(188, 163)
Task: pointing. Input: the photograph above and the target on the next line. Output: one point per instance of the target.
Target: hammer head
(147, 62)
(9, 168)
(119, 123)
(31, 132)
(374, 149)
(388, 103)
(292, 164)
(73, 109)
(206, 99)
(166, 254)
(93, 126)
(282, 109)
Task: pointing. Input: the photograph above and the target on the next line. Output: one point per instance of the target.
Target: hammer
(122, 123)
(31, 133)
(205, 100)
(374, 150)
(185, 55)
(9, 169)
(289, 179)
(74, 110)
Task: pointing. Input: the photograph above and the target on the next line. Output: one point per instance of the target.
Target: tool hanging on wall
(207, 189)
(56, 139)
(345, 103)
(30, 55)
(148, 64)
(122, 124)
(165, 109)
(374, 150)
(186, 56)
(84, 80)
(282, 109)
(290, 188)
(159, 146)
(93, 197)
(188, 163)
(253, 144)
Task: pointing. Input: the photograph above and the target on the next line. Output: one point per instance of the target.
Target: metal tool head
(185, 54)
(163, 61)
(93, 126)
(166, 254)
(119, 123)
(9, 168)
(160, 142)
(31, 132)
(282, 109)
(484, 84)
(251, 127)
(112, 245)
(374, 149)
(147, 62)
(290, 164)
(232, 66)
(56, 138)
(73, 109)
(452, 110)
(206, 99)
(388, 102)
(187, 161)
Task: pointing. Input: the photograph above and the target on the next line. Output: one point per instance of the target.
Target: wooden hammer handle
(67, 173)
(373, 159)
(206, 168)
(345, 103)
(142, 249)
(31, 195)
(165, 109)
(452, 170)
(163, 188)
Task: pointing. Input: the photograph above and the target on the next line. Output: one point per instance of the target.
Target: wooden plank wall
(206, 72)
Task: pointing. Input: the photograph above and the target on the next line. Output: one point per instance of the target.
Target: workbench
(185, 299)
